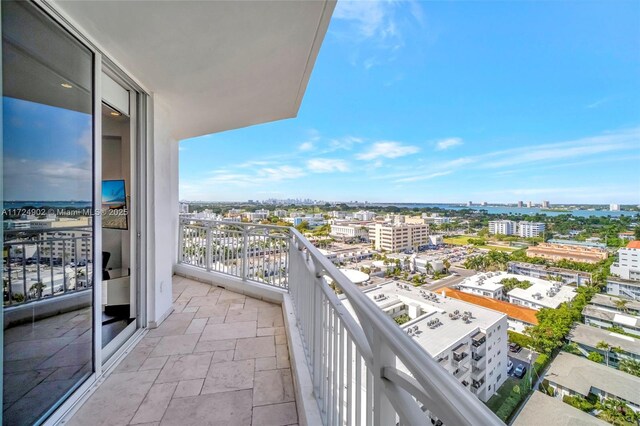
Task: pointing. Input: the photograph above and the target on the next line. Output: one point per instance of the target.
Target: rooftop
(544, 409)
(634, 244)
(512, 311)
(580, 375)
(591, 336)
(610, 301)
(577, 243)
(551, 269)
(611, 316)
(436, 340)
(489, 281)
(220, 356)
(544, 293)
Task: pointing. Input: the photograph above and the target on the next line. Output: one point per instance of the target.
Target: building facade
(398, 237)
(627, 266)
(502, 227)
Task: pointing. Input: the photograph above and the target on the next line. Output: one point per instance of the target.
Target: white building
(629, 289)
(486, 284)
(503, 227)
(545, 204)
(530, 229)
(627, 266)
(364, 215)
(469, 341)
(280, 213)
(398, 237)
(349, 231)
(614, 207)
(542, 294)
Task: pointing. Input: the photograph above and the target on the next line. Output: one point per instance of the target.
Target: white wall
(162, 212)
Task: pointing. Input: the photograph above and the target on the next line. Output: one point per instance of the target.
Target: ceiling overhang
(219, 65)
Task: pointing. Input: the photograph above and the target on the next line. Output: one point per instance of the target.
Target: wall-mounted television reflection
(114, 204)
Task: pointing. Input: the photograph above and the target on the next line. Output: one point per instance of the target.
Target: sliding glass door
(48, 229)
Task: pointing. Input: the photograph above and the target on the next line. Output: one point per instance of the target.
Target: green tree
(595, 357)
(630, 366)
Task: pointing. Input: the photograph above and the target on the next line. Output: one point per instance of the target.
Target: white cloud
(369, 17)
(306, 146)
(327, 165)
(443, 144)
(280, 173)
(387, 149)
(423, 177)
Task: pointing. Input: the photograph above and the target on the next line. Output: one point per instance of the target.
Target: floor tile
(219, 409)
(229, 376)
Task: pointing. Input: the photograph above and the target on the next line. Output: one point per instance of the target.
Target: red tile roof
(634, 244)
(513, 311)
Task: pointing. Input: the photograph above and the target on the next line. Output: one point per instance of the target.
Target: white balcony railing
(358, 363)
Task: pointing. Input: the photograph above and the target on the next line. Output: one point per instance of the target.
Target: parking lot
(522, 357)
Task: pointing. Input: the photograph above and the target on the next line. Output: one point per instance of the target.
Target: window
(48, 155)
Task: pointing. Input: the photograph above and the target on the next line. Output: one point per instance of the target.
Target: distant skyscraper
(469, 203)
(614, 207)
(545, 204)
(484, 203)
(529, 204)
(520, 204)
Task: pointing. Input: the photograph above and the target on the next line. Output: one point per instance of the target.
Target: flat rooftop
(580, 375)
(489, 281)
(605, 314)
(543, 409)
(610, 302)
(550, 269)
(517, 312)
(435, 306)
(541, 288)
(591, 336)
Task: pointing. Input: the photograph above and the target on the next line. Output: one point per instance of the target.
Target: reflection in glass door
(48, 124)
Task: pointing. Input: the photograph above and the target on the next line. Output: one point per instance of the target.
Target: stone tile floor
(220, 358)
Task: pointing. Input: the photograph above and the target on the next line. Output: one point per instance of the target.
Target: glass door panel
(48, 251)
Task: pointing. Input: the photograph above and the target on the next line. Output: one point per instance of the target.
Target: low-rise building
(503, 227)
(364, 215)
(608, 311)
(469, 341)
(588, 339)
(485, 284)
(572, 375)
(398, 237)
(629, 289)
(542, 409)
(542, 294)
(555, 251)
(627, 266)
(350, 231)
(568, 276)
(518, 317)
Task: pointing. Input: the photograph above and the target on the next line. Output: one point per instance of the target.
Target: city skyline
(445, 102)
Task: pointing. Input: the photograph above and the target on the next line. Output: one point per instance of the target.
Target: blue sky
(449, 102)
(47, 153)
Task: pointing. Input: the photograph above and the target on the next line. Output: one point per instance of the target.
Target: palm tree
(605, 347)
(446, 264)
(621, 304)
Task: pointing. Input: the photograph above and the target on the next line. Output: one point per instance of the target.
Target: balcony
(229, 353)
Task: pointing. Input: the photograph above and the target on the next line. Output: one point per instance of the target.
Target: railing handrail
(186, 221)
(462, 407)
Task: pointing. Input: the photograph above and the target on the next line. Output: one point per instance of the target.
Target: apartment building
(559, 250)
(542, 294)
(629, 289)
(486, 284)
(567, 276)
(627, 266)
(349, 231)
(518, 317)
(530, 229)
(607, 311)
(572, 375)
(398, 237)
(503, 227)
(467, 340)
(364, 215)
(588, 339)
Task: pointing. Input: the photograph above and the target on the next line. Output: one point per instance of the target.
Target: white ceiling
(219, 65)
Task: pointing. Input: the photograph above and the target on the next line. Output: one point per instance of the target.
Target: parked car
(520, 371)
(509, 367)
(514, 347)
